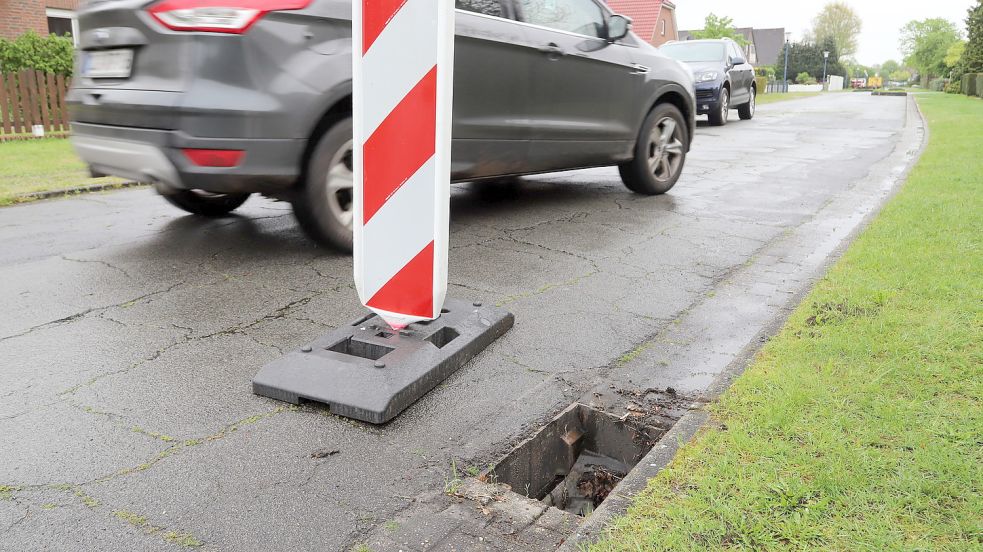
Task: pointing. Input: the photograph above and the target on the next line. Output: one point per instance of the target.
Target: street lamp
(788, 36)
(825, 61)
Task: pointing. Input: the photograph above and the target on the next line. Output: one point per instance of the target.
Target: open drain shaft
(577, 459)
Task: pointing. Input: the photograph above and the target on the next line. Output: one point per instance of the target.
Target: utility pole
(788, 45)
(825, 61)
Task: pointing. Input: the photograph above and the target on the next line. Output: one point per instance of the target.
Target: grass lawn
(774, 97)
(860, 426)
(41, 165)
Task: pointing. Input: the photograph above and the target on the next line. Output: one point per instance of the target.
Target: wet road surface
(130, 333)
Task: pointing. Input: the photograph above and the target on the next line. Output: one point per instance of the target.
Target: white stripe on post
(398, 60)
(402, 85)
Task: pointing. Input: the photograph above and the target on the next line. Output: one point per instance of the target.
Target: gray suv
(213, 100)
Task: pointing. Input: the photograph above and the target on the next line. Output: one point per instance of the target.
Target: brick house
(41, 16)
(652, 20)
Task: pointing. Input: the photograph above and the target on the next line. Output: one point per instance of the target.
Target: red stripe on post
(376, 14)
(402, 143)
(409, 291)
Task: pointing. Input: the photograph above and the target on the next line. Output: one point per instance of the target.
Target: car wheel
(206, 204)
(323, 206)
(720, 115)
(659, 153)
(746, 111)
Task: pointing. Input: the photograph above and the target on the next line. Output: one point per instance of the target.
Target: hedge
(969, 84)
(762, 83)
(51, 54)
(979, 84)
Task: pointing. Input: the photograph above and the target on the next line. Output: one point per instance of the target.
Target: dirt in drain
(589, 482)
(576, 460)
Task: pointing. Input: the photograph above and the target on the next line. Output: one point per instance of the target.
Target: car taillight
(213, 157)
(217, 16)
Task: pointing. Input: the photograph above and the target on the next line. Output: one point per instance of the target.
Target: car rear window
(694, 52)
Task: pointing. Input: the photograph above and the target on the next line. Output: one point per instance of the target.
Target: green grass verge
(775, 97)
(41, 165)
(859, 427)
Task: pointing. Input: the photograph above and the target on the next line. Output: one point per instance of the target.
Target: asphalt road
(130, 332)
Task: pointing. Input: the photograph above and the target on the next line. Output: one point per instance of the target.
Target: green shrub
(969, 84)
(954, 87)
(805, 78)
(937, 85)
(762, 83)
(765, 71)
(51, 54)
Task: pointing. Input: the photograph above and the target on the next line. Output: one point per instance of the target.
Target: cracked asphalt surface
(130, 333)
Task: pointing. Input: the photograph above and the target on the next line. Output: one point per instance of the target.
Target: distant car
(213, 100)
(724, 79)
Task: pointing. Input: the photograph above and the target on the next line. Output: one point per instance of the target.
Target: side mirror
(618, 27)
(736, 61)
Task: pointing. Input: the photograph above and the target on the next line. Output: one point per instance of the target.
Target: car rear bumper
(150, 155)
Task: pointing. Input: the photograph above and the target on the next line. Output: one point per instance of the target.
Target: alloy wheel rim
(665, 149)
(754, 96)
(340, 184)
(725, 105)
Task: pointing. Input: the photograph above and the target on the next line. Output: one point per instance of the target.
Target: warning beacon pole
(401, 99)
(402, 83)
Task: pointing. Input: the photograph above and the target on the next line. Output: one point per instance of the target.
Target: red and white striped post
(403, 53)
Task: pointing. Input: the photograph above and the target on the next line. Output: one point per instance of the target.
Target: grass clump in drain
(856, 428)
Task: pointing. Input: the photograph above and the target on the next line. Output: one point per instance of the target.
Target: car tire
(746, 111)
(206, 204)
(660, 152)
(323, 205)
(718, 117)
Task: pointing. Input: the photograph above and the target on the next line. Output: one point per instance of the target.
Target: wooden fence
(29, 98)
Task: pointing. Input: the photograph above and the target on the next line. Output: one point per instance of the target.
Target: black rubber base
(369, 372)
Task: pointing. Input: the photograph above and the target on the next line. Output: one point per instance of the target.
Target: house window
(662, 27)
(61, 22)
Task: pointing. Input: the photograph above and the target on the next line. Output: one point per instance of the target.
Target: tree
(808, 57)
(925, 44)
(720, 27)
(888, 67)
(972, 58)
(837, 21)
(899, 76)
(954, 54)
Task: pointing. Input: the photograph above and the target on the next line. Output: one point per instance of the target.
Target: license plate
(108, 64)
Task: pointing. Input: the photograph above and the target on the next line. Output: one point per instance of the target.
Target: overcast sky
(881, 18)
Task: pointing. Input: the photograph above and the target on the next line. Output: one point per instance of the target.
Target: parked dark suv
(212, 100)
(724, 79)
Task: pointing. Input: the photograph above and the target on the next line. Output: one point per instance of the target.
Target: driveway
(130, 334)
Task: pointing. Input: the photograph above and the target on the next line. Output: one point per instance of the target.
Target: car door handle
(638, 69)
(552, 50)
